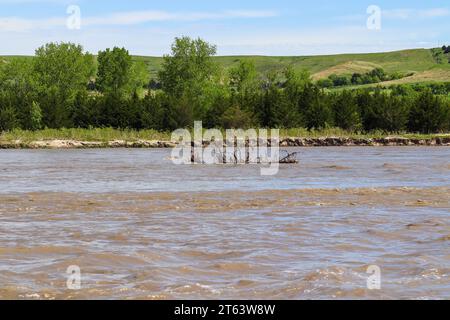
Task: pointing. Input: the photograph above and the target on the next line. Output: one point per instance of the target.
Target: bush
(339, 81)
(325, 83)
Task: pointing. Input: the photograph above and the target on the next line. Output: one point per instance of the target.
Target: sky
(263, 27)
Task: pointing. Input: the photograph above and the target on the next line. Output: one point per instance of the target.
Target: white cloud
(437, 12)
(138, 17)
(404, 14)
(128, 18)
(19, 24)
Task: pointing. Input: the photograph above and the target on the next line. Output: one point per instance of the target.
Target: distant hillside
(419, 62)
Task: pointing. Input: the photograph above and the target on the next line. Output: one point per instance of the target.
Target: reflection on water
(128, 218)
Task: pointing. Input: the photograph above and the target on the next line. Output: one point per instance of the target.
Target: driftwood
(289, 158)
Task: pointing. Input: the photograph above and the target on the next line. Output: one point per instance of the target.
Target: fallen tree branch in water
(290, 158)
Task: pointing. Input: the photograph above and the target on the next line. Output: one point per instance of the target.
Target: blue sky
(265, 27)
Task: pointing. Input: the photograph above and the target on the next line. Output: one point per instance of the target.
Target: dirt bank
(287, 142)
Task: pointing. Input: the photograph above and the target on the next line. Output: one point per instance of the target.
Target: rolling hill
(419, 62)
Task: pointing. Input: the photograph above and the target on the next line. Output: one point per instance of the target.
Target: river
(141, 227)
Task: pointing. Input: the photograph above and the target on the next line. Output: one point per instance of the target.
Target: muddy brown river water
(140, 227)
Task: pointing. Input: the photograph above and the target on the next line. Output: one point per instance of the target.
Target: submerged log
(291, 158)
(288, 158)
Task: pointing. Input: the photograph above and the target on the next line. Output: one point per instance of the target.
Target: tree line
(376, 75)
(65, 87)
(441, 55)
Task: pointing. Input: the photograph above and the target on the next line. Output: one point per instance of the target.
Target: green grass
(340, 133)
(96, 134)
(109, 134)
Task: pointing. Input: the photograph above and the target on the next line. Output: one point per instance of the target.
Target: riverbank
(111, 138)
(288, 142)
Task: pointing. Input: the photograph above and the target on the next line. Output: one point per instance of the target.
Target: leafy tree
(190, 75)
(114, 70)
(245, 87)
(325, 83)
(139, 78)
(280, 106)
(55, 106)
(438, 55)
(236, 118)
(8, 119)
(243, 78)
(319, 114)
(378, 74)
(295, 83)
(153, 114)
(189, 63)
(345, 108)
(213, 118)
(17, 87)
(35, 116)
(395, 114)
(63, 66)
(83, 111)
(17, 74)
(357, 79)
(383, 111)
(339, 81)
(429, 113)
(60, 70)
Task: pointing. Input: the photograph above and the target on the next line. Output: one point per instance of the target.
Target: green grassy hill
(419, 62)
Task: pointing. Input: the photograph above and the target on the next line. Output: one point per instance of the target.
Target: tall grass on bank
(109, 134)
(340, 133)
(95, 134)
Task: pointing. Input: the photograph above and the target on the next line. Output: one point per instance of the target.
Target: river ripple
(142, 228)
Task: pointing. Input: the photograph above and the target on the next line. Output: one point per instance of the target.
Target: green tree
(279, 107)
(188, 64)
(345, 108)
(139, 78)
(429, 113)
(64, 66)
(340, 80)
(245, 87)
(395, 113)
(114, 70)
(8, 119)
(190, 75)
(83, 111)
(61, 70)
(153, 115)
(17, 74)
(295, 83)
(236, 118)
(325, 83)
(17, 87)
(243, 78)
(35, 116)
(318, 112)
